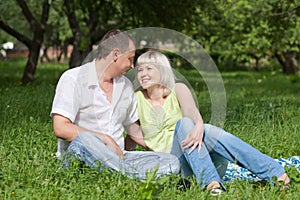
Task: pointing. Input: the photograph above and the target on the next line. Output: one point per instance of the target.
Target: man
(92, 106)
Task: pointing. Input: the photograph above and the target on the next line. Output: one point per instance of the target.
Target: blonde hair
(162, 63)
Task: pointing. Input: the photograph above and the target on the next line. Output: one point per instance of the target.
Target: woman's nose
(144, 73)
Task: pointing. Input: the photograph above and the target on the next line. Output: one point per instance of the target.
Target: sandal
(284, 182)
(284, 186)
(215, 192)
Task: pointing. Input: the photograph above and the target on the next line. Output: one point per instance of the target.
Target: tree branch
(72, 19)
(45, 14)
(27, 13)
(22, 38)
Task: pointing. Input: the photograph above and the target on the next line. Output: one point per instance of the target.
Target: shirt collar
(93, 77)
(92, 74)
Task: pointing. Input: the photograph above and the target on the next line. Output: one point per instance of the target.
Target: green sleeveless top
(158, 124)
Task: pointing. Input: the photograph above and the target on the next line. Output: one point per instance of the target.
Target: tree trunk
(69, 9)
(31, 64)
(34, 45)
(76, 55)
(92, 22)
(288, 61)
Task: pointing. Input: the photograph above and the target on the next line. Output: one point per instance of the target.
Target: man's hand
(111, 144)
(65, 129)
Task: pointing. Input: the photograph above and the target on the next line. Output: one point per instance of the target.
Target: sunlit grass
(262, 109)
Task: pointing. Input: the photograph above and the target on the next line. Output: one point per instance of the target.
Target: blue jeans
(89, 148)
(219, 146)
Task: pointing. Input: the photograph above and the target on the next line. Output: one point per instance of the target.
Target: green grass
(262, 109)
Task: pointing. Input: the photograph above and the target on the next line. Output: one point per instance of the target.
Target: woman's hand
(193, 139)
(190, 110)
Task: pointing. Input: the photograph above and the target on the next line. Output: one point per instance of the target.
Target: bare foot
(286, 181)
(213, 185)
(215, 188)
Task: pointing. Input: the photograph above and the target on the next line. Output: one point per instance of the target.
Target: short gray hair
(113, 39)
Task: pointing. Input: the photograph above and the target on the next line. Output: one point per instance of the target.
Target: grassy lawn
(262, 109)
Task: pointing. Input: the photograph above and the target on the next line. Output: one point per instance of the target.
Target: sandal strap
(215, 192)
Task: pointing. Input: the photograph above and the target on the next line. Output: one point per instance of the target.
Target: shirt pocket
(120, 114)
(121, 111)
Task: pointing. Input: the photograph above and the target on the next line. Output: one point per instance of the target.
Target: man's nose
(131, 65)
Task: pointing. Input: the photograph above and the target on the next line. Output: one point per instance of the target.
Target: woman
(172, 123)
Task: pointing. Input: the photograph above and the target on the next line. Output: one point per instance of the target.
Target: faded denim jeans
(219, 146)
(89, 148)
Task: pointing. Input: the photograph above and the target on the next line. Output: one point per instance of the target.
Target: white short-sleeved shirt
(79, 98)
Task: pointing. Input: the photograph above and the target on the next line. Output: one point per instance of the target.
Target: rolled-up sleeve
(66, 97)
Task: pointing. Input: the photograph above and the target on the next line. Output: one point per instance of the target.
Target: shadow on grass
(12, 72)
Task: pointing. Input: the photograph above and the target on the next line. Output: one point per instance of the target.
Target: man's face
(126, 60)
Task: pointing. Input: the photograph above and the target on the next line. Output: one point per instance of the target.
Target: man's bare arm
(65, 129)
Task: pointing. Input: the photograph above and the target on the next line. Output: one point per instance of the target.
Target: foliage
(293, 174)
(35, 24)
(295, 78)
(58, 29)
(263, 109)
(247, 32)
(150, 188)
(251, 34)
(8, 16)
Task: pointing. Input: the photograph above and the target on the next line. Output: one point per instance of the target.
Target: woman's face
(148, 75)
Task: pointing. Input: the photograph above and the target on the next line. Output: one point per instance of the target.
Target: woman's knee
(213, 132)
(214, 135)
(185, 124)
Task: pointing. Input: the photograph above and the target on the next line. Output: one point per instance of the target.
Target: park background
(255, 45)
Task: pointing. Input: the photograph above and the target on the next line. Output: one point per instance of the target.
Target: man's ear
(116, 54)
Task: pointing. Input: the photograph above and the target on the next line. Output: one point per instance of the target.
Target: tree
(58, 34)
(241, 31)
(37, 27)
(90, 19)
(285, 25)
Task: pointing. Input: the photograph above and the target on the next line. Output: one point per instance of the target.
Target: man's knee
(85, 136)
(175, 165)
(88, 141)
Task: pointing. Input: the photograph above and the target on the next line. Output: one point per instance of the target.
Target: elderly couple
(95, 103)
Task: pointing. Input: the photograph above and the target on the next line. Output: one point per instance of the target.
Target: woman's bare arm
(134, 136)
(189, 109)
